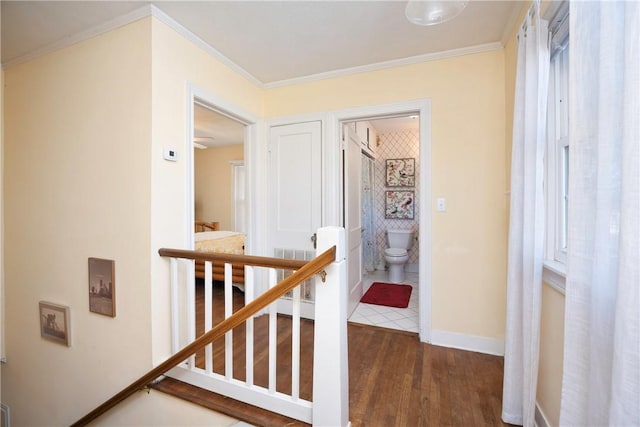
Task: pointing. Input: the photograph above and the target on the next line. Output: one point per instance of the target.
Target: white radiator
(307, 288)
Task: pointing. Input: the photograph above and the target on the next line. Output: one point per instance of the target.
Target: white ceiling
(271, 42)
(212, 129)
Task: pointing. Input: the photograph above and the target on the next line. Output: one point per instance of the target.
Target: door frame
(353, 238)
(207, 99)
(422, 107)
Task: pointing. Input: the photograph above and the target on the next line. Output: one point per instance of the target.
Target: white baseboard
(540, 419)
(468, 342)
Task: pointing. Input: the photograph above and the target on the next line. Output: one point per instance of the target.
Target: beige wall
(551, 354)
(468, 148)
(159, 409)
(213, 181)
(77, 185)
(176, 62)
(84, 174)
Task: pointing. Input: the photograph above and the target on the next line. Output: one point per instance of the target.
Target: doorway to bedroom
(218, 171)
(218, 206)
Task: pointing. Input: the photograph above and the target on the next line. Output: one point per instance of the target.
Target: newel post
(330, 360)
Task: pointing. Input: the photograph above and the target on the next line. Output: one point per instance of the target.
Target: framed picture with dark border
(54, 322)
(399, 204)
(102, 286)
(401, 172)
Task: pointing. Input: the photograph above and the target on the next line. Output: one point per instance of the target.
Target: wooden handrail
(257, 261)
(307, 270)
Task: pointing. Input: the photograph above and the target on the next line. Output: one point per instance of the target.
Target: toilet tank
(401, 239)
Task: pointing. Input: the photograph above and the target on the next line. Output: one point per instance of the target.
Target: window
(557, 153)
(557, 163)
(239, 199)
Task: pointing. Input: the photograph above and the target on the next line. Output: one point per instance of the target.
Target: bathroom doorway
(385, 140)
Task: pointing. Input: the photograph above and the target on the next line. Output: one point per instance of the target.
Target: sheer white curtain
(601, 380)
(526, 226)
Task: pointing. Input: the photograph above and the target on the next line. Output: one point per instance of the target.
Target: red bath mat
(389, 294)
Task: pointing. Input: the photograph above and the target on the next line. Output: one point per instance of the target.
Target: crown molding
(151, 10)
(133, 16)
(118, 22)
(387, 64)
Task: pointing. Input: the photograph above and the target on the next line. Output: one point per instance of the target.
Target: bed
(200, 226)
(219, 241)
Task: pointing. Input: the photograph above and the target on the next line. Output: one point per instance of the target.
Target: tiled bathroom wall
(395, 145)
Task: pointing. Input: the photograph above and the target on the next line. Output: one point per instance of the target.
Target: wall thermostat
(170, 154)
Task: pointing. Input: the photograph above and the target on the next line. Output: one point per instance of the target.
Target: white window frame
(238, 196)
(557, 152)
(557, 159)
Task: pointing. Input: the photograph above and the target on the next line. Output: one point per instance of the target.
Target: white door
(353, 215)
(294, 199)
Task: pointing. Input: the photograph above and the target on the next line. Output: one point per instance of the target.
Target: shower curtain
(368, 232)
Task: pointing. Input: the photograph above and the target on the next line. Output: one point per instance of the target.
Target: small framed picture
(54, 322)
(399, 204)
(401, 172)
(102, 286)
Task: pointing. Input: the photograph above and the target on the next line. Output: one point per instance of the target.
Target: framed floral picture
(399, 204)
(401, 172)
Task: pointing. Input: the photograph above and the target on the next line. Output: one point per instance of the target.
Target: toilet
(396, 256)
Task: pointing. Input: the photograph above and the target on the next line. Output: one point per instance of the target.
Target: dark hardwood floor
(394, 380)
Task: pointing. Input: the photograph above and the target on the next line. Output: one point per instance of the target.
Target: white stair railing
(330, 359)
(330, 371)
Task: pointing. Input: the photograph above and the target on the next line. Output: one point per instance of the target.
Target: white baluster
(248, 297)
(295, 345)
(175, 313)
(228, 312)
(191, 309)
(208, 314)
(273, 334)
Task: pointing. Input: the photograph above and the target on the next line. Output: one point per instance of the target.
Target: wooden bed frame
(206, 226)
(217, 266)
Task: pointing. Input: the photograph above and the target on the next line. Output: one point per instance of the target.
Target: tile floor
(405, 319)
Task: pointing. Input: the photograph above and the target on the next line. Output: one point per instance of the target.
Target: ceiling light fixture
(427, 12)
(203, 142)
